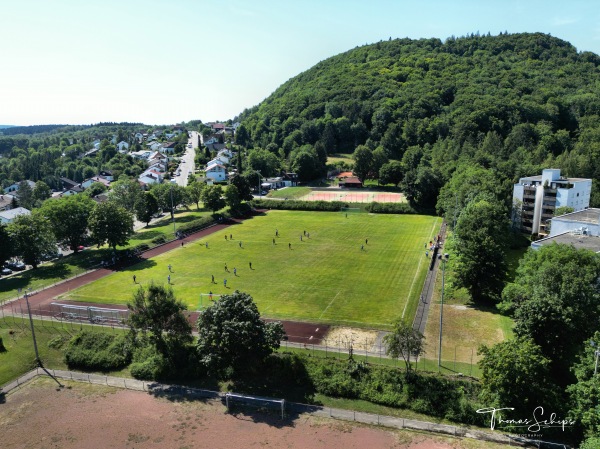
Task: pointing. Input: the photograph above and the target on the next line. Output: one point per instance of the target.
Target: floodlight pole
(173, 212)
(37, 355)
(443, 260)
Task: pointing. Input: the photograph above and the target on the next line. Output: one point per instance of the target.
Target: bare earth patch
(342, 337)
(89, 417)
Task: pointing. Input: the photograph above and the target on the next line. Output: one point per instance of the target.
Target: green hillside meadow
(324, 278)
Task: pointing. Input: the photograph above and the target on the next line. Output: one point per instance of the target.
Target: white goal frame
(230, 398)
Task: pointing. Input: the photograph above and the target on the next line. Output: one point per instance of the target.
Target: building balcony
(528, 197)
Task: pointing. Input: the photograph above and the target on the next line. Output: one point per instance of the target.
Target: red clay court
(354, 196)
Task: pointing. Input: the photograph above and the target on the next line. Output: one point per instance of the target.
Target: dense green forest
(512, 104)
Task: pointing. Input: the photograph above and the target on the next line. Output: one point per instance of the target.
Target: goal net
(261, 403)
(206, 299)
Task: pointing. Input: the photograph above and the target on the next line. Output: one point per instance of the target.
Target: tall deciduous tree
(156, 313)
(69, 218)
(515, 373)
(480, 242)
(363, 162)
(391, 173)
(212, 197)
(32, 238)
(233, 339)
(126, 193)
(111, 224)
(146, 207)
(232, 197)
(25, 195)
(405, 342)
(194, 192)
(41, 192)
(555, 299)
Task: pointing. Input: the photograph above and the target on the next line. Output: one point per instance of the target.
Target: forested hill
(512, 103)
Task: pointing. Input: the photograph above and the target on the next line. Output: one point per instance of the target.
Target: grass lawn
(292, 193)
(50, 273)
(19, 357)
(340, 157)
(324, 278)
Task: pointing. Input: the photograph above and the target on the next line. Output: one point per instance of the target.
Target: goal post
(206, 299)
(255, 401)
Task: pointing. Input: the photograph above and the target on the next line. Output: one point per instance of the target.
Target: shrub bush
(98, 351)
(159, 240)
(148, 364)
(2, 347)
(141, 247)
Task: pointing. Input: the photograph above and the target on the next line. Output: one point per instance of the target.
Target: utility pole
(37, 355)
(443, 262)
(173, 212)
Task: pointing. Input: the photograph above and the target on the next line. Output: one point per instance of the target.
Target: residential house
(101, 179)
(168, 148)
(15, 187)
(6, 202)
(213, 143)
(142, 154)
(101, 198)
(139, 137)
(107, 174)
(122, 145)
(8, 216)
(273, 183)
(216, 172)
(535, 198)
(150, 177)
(290, 179)
(583, 222)
(154, 146)
(67, 183)
(90, 152)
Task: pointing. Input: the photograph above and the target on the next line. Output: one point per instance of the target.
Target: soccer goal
(206, 299)
(261, 403)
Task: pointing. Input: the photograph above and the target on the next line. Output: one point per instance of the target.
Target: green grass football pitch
(325, 278)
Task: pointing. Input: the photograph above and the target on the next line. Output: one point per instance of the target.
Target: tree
(232, 197)
(194, 192)
(41, 192)
(404, 341)
(6, 245)
(126, 193)
(242, 136)
(25, 195)
(69, 218)
(305, 162)
(585, 393)
(242, 182)
(146, 207)
(380, 158)
(111, 224)
(233, 339)
(479, 240)
(95, 189)
(263, 161)
(555, 300)
(468, 181)
(156, 311)
(391, 173)
(32, 238)
(212, 197)
(562, 210)
(516, 374)
(363, 162)
(169, 196)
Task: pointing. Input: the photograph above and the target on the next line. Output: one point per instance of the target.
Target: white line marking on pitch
(418, 269)
(321, 316)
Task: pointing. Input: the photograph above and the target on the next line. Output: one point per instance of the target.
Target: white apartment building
(535, 198)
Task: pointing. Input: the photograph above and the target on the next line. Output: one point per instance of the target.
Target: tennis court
(350, 196)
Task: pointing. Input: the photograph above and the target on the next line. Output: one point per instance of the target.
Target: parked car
(5, 271)
(16, 266)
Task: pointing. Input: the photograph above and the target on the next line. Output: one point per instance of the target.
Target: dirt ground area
(82, 416)
(342, 337)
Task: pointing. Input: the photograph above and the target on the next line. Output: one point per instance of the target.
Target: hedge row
(196, 225)
(327, 206)
(432, 395)
(390, 208)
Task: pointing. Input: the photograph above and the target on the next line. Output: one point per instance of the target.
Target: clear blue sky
(165, 61)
